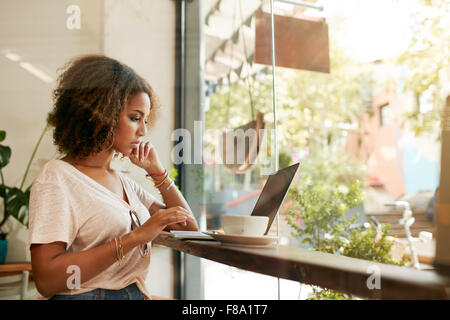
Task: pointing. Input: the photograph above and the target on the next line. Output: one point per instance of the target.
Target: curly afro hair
(91, 92)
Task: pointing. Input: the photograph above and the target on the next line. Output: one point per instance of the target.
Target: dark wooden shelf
(344, 274)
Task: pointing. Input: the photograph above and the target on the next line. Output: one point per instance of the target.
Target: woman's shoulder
(52, 171)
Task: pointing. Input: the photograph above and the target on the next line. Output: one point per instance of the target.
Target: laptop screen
(273, 193)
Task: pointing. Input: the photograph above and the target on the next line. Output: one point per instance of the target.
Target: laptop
(274, 193)
(268, 203)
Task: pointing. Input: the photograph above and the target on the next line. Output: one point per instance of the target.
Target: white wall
(142, 35)
(37, 32)
(138, 33)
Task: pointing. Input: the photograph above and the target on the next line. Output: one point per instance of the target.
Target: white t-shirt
(69, 206)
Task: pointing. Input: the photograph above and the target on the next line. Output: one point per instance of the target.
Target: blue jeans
(128, 293)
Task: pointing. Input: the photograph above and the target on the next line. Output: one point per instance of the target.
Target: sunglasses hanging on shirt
(136, 223)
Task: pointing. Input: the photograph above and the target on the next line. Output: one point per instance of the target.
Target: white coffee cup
(252, 226)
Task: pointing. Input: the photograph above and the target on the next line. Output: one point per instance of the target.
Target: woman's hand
(160, 220)
(146, 157)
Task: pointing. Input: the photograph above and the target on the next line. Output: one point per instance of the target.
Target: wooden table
(13, 268)
(344, 274)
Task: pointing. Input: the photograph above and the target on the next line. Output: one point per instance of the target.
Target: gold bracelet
(162, 182)
(119, 250)
(117, 256)
(112, 247)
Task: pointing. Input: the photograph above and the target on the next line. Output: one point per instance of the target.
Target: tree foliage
(312, 107)
(427, 60)
(322, 213)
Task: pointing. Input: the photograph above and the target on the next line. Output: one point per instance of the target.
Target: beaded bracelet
(151, 175)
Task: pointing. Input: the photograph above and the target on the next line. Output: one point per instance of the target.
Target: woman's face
(132, 123)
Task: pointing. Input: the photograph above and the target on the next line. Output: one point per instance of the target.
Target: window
(321, 119)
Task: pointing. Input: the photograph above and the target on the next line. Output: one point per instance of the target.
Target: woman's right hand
(160, 220)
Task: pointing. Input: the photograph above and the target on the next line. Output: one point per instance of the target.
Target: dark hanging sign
(299, 43)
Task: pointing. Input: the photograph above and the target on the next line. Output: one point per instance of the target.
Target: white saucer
(242, 240)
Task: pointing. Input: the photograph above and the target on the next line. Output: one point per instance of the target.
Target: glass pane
(239, 106)
(359, 132)
(361, 114)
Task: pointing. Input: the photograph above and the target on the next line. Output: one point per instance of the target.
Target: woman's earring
(118, 155)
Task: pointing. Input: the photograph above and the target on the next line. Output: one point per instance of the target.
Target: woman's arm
(50, 262)
(173, 198)
(146, 157)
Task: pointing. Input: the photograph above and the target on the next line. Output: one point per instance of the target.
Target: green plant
(321, 294)
(366, 245)
(322, 212)
(173, 173)
(329, 188)
(371, 245)
(422, 64)
(284, 160)
(15, 200)
(326, 229)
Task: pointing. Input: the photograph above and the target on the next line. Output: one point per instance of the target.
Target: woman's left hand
(146, 157)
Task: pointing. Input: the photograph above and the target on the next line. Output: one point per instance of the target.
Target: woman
(90, 226)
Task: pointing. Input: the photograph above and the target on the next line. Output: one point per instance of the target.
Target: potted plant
(14, 201)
